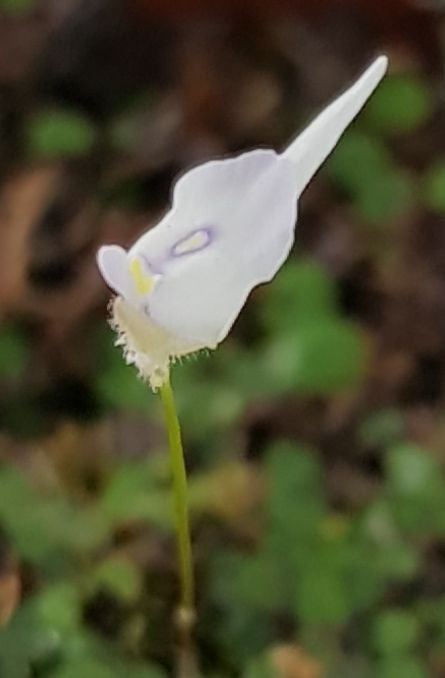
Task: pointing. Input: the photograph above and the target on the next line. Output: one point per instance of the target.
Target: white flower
(231, 226)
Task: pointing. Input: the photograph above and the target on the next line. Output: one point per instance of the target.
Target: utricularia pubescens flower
(231, 226)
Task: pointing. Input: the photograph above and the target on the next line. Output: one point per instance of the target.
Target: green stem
(186, 612)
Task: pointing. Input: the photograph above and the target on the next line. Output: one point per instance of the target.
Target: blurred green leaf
(396, 631)
(17, 7)
(58, 607)
(60, 132)
(14, 351)
(250, 589)
(260, 668)
(322, 357)
(389, 555)
(46, 638)
(302, 293)
(411, 469)
(416, 489)
(207, 404)
(132, 493)
(406, 666)
(232, 630)
(28, 642)
(119, 576)
(433, 188)
(243, 375)
(93, 668)
(145, 671)
(335, 574)
(382, 427)
(321, 595)
(16, 645)
(357, 149)
(387, 197)
(254, 582)
(400, 104)
(117, 384)
(295, 502)
(431, 615)
(45, 527)
(380, 190)
(238, 607)
(103, 668)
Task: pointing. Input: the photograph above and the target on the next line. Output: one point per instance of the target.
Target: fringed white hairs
(231, 226)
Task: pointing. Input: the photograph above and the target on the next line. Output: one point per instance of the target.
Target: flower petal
(230, 228)
(113, 264)
(247, 208)
(207, 196)
(309, 150)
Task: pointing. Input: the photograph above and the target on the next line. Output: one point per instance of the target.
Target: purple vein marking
(193, 242)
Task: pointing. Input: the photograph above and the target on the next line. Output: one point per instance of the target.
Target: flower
(231, 226)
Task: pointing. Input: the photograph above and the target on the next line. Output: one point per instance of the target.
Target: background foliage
(315, 435)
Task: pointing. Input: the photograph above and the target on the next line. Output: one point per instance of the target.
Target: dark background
(315, 434)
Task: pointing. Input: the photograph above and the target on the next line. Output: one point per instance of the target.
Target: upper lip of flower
(231, 227)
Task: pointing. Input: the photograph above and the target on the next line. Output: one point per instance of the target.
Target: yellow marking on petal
(194, 242)
(143, 282)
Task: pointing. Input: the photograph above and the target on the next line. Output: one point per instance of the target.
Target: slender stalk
(186, 611)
